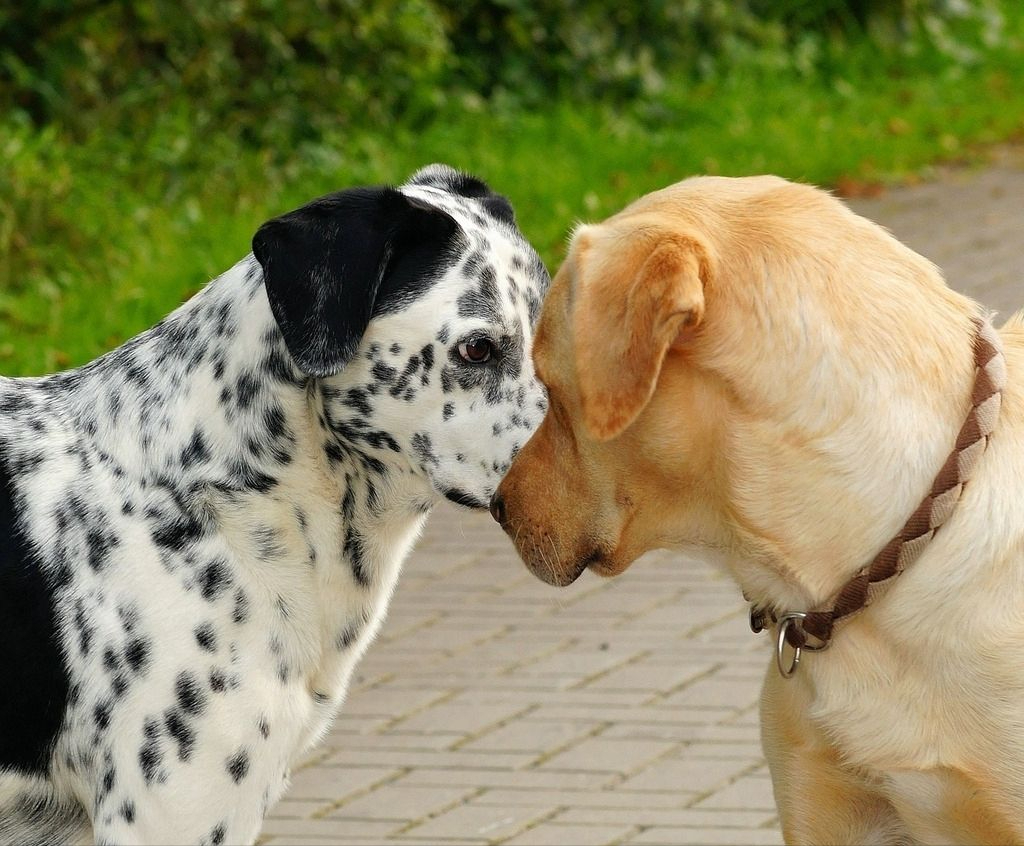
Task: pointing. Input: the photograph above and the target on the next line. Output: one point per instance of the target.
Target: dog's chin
(557, 576)
(565, 573)
(466, 500)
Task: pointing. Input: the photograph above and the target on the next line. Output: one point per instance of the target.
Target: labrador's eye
(476, 350)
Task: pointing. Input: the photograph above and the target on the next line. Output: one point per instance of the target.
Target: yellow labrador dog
(746, 368)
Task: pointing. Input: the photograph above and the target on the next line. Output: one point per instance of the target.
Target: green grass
(110, 234)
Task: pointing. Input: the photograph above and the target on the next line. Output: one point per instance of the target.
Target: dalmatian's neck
(211, 406)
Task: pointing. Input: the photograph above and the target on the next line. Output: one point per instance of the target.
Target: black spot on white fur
(238, 766)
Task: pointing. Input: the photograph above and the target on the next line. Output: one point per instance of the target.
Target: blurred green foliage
(264, 69)
(284, 71)
(527, 49)
(142, 141)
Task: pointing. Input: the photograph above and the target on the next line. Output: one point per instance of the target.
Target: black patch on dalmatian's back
(32, 672)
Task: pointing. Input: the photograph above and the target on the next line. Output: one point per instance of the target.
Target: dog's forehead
(495, 270)
(469, 212)
(476, 221)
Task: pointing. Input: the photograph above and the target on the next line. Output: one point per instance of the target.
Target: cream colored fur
(790, 413)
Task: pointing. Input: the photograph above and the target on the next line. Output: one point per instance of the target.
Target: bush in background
(262, 68)
(526, 49)
(280, 72)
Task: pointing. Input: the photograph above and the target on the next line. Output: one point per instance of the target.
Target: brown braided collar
(798, 629)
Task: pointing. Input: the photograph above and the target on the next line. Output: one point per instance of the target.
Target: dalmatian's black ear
(456, 182)
(329, 266)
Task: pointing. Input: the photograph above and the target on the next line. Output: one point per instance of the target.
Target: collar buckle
(787, 621)
(764, 618)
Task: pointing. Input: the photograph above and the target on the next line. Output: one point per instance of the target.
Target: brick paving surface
(495, 709)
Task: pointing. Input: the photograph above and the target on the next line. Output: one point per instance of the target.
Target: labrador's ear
(329, 266)
(633, 300)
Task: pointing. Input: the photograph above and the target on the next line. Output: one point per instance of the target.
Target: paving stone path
(494, 709)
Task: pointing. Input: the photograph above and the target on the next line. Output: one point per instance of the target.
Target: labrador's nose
(498, 509)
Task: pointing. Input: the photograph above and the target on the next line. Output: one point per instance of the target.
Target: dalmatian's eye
(476, 350)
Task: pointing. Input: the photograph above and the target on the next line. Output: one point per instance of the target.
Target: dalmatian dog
(200, 531)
